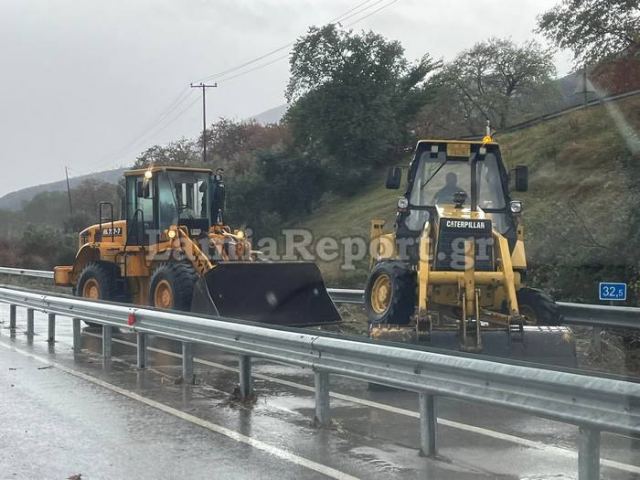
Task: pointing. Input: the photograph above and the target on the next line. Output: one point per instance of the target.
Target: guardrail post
(323, 413)
(187, 362)
(30, 313)
(51, 330)
(141, 340)
(428, 424)
(107, 335)
(588, 454)
(77, 336)
(12, 317)
(246, 384)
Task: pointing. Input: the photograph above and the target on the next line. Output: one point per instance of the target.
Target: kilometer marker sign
(612, 291)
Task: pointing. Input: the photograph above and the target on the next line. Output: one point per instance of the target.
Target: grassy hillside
(577, 209)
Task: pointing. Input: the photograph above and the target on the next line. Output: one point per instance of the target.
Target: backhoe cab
(173, 250)
(451, 273)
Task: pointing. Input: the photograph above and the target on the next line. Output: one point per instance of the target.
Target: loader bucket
(543, 345)
(285, 293)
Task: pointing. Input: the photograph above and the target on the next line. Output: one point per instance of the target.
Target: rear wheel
(172, 286)
(98, 281)
(537, 307)
(390, 296)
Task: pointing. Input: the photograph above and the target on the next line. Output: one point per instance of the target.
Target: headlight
(516, 206)
(171, 234)
(403, 203)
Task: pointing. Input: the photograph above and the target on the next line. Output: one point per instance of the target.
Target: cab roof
(159, 168)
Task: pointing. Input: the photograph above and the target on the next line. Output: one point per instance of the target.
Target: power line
(347, 17)
(372, 13)
(282, 57)
(154, 126)
(258, 67)
(171, 120)
(159, 127)
(163, 115)
(344, 16)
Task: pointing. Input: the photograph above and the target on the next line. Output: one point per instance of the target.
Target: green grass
(577, 206)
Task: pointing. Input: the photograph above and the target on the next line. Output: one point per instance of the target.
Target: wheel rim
(163, 295)
(530, 317)
(91, 289)
(381, 294)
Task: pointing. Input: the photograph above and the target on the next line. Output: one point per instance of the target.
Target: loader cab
(159, 197)
(445, 173)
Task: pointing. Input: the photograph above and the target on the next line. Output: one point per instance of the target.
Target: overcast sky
(82, 80)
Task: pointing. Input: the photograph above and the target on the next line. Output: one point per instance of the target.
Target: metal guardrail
(588, 315)
(558, 113)
(594, 404)
(343, 295)
(25, 272)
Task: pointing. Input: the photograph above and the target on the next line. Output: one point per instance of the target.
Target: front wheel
(390, 296)
(98, 281)
(172, 286)
(537, 307)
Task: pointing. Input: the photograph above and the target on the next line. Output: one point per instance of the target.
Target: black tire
(538, 307)
(402, 302)
(103, 277)
(180, 278)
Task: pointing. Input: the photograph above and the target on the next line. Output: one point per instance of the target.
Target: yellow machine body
(174, 251)
(456, 262)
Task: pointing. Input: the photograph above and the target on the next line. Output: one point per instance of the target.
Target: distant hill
(13, 201)
(273, 115)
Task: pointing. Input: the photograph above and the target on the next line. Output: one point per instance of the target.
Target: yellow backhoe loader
(173, 250)
(452, 272)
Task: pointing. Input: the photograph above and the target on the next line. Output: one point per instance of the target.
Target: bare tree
(593, 29)
(489, 78)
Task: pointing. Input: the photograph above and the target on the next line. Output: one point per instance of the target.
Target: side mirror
(394, 177)
(522, 178)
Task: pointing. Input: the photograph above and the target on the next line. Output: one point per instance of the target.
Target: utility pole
(66, 173)
(204, 87)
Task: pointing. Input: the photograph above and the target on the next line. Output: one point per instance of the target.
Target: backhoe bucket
(539, 345)
(543, 345)
(286, 293)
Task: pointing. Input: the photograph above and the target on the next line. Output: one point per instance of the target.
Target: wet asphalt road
(61, 416)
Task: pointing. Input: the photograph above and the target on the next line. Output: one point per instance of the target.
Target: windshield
(182, 196)
(439, 178)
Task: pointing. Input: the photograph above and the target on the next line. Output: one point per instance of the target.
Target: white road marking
(565, 452)
(238, 437)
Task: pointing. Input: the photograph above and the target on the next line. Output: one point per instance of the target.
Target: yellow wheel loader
(451, 273)
(173, 250)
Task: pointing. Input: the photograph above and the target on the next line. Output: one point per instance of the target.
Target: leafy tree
(45, 247)
(487, 81)
(352, 96)
(49, 208)
(233, 145)
(283, 184)
(593, 29)
(180, 153)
